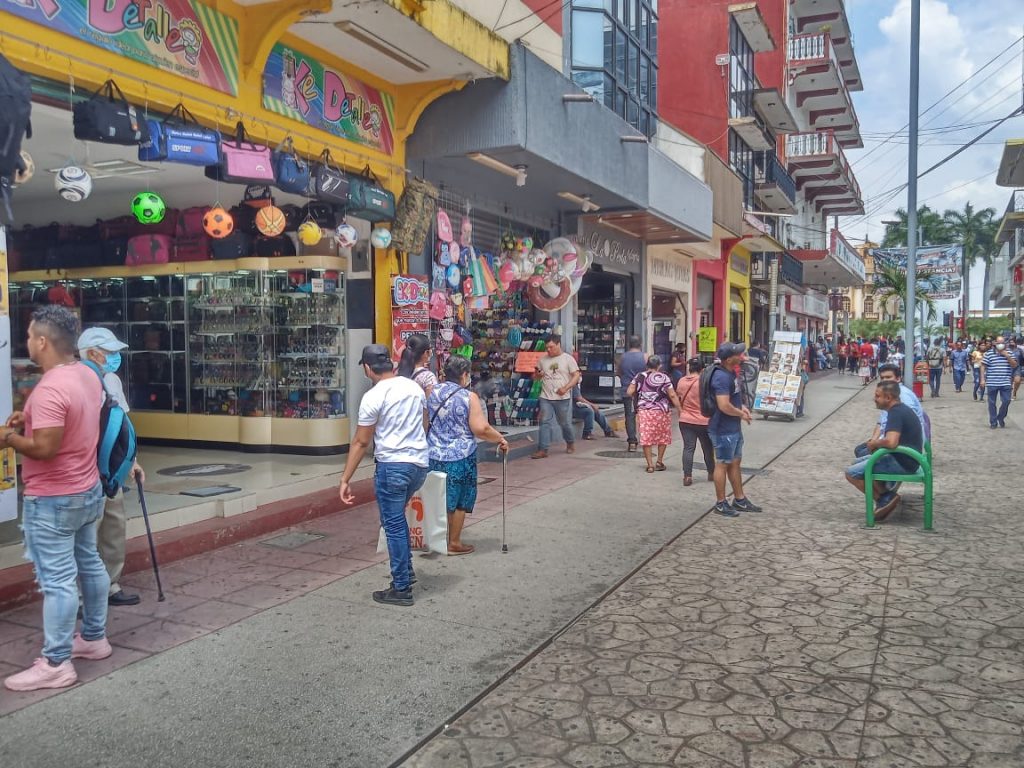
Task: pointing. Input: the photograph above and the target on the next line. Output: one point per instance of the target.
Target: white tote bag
(427, 515)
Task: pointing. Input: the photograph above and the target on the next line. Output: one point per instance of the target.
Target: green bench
(922, 476)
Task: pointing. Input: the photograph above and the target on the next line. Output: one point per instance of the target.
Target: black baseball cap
(375, 354)
(729, 349)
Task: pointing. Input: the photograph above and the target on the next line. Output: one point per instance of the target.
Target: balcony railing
(813, 47)
(822, 143)
(768, 170)
(1016, 204)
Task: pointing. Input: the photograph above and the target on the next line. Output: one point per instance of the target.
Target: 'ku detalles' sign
(191, 40)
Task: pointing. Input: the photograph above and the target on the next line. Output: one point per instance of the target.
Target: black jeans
(691, 434)
(629, 406)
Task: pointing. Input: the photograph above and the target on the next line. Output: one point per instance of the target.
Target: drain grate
(292, 540)
(619, 454)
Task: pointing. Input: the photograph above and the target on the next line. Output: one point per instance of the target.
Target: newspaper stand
(779, 386)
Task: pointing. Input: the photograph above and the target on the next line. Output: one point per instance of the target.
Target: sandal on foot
(460, 549)
(660, 466)
(687, 481)
(650, 470)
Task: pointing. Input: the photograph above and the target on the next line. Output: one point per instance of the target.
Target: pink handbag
(149, 249)
(242, 161)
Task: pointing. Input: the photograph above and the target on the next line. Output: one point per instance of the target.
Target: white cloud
(957, 38)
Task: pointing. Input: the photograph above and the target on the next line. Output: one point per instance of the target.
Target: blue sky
(958, 37)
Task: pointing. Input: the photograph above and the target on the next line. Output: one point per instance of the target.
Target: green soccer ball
(148, 208)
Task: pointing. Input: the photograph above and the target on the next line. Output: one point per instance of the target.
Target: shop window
(741, 160)
(588, 38)
(742, 82)
(869, 304)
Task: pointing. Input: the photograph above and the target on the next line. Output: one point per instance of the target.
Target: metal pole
(915, 79)
(773, 295)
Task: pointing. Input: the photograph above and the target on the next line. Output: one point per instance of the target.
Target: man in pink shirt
(57, 435)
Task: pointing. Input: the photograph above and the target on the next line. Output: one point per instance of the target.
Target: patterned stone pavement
(795, 637)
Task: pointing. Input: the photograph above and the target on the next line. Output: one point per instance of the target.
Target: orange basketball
(270, 221)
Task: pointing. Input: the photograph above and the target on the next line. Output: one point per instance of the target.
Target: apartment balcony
(818, 86)
(813, 16)
(819, 166)
(1013, 219)
(838, 266)
(773, 185)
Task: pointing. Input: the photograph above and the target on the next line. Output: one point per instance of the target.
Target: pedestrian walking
(693, 425)
(558, 373)
(56, 436)
(958, 361)
(997, 368)
(843, 351)
(977, 355)
(457, 419)
(677, 363)
(101, 347)
(1014, 347)
(653, 394)
(391, 415)
(590, 413)
(632, 363)
(805, 379)
(866, 352)
(415, 361)
(726, 433)
(936, 357)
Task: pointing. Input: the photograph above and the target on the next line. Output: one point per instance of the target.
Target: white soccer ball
(72, 183)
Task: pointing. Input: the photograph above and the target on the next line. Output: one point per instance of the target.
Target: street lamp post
(915, 79)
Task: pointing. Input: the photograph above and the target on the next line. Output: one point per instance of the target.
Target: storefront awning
(1011, 167)
(755, 244)
(532, 147)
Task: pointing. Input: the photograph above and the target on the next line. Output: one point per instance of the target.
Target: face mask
(1000, 347)
(113, 362)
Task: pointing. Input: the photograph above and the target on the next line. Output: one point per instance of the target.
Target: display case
(601, 339)
(258, 346)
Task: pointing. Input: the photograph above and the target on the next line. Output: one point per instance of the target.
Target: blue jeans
(886, 465)
(589, 416)
(978, 391)
(60, 540)
(934, 380)
(998, 417)
(395, 484)
(958, 378)
(550, 412)
(629, 410)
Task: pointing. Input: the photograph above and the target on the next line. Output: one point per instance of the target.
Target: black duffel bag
(328, 182)
(108, 117)
(237, 245)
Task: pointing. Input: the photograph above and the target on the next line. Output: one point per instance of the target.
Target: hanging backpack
(414, 216)
(15, 124)
(708, 401)
(117, 448)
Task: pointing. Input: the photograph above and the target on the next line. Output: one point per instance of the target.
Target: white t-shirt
(112, 384)
(394, 407)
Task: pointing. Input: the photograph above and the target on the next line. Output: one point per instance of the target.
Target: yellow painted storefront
(212, 58)
(737, 294)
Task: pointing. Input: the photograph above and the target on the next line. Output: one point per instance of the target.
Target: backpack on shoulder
(708, 401)
(15, 124)
(117, 448)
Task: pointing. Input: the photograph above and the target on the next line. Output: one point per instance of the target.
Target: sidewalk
(795, 638)
(261, 645)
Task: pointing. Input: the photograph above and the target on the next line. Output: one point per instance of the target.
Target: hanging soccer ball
(346, 235)
(218, 223)
(310, 233)
(74, 184)
(23, 176)
(148, 208)
(270, 221)
(380, 237)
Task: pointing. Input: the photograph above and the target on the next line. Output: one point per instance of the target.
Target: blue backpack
(117, 448)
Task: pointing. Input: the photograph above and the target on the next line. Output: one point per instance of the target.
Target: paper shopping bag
(427, 515)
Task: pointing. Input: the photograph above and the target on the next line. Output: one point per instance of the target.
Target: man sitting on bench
(902, 427)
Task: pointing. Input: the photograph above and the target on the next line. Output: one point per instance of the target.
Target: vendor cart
(779, 385)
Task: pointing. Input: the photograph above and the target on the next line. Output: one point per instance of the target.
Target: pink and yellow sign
(302, 88)
(184, 37)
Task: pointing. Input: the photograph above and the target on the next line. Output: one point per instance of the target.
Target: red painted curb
(18, 587)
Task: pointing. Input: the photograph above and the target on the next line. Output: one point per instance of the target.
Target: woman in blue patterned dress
(457, 419)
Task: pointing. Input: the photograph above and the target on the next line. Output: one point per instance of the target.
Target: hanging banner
(707, 339)
(939, 265)
(8, 462)
(300, 87)
(183, 37)
(410, 297)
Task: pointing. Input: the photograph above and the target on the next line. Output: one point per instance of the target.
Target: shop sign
(183, 37)
(670, 274)
(707, 339)
(410, 297)
(845, 255)
(759, 297)
(759, 266)
(300, 87)
(8, 461)
(739, 263)
(815, 306)
(609, 250)
(791, 271)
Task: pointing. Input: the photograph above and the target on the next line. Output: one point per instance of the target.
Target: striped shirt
(998, 371)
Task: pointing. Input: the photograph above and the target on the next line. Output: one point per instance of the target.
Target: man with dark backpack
(721, 399)
(101, 350)
(15, 124)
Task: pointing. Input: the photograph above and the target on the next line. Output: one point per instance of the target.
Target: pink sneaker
(42, 675)
(90, 649)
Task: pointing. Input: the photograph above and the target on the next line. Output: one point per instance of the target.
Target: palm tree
(971, 228)
(988, 250)
(929, 223)
(891, 282)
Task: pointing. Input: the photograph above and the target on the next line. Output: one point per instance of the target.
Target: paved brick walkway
(795, 638)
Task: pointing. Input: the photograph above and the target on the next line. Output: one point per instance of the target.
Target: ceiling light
(369, 39)
(583, 201)
(517, 172)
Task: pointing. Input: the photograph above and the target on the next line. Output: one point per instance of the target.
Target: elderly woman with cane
(457, 419)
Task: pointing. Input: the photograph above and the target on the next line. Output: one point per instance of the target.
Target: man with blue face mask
(103, 348)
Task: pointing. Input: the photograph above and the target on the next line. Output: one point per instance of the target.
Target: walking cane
(152, 547)
(504, 469)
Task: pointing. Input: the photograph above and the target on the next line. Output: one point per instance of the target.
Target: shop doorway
(604, 323)
(670, 325)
